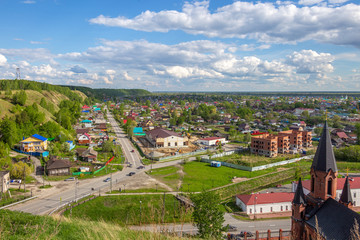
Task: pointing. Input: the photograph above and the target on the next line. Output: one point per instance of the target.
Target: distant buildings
(289, 141)
(212, 141)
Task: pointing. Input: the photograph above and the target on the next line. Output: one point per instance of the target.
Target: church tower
(298, 212)
(346, 198)
(323, 169)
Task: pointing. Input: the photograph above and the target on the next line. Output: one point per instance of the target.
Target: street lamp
(76, 183)
(255, 208)
(140, 212)
(156, 184)
(124, 186)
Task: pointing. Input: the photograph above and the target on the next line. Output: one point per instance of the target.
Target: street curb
(12, 204)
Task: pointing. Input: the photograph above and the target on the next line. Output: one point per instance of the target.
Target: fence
(183, 155)
(36, 154)
(77, 204)
(251, 169)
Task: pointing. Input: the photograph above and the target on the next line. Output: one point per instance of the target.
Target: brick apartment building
(270, 145)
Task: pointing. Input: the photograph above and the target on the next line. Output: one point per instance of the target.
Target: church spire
(324, 159)
(346, 193)
(299, 197)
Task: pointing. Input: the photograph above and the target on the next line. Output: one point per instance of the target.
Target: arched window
(329, 187)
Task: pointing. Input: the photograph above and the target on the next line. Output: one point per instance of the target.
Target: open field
(23, 226)
(132, 209)
(198, 176)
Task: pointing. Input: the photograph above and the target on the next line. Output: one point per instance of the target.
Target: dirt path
(181, 175)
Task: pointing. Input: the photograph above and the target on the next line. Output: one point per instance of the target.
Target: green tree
(207, 215)
(20, 170)
(357, 131)
(9, 132)
(107, 146)
(20, 98)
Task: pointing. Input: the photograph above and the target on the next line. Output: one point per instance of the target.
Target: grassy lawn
(352, 166)
(16, 195)
(125, 210)
(200, 176)
(252, 160)
(18, 225)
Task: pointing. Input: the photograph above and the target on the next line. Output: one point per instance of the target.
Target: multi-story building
(265, 144)
(270, 145)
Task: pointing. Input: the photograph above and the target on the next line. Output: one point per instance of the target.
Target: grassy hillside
(100, 93)
(32, 97)
(17, 225)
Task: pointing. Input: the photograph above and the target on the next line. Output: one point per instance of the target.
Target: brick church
(318, 215)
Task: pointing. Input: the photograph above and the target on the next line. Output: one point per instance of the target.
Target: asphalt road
(77, 189)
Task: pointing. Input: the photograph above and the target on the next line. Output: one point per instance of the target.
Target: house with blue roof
(35, 143)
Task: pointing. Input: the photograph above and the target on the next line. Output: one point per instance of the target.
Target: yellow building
(35, 143)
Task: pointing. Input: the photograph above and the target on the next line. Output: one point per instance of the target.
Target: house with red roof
(84, 139)
(212, 141)
(262, 203)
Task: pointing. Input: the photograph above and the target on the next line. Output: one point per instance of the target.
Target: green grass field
(200, 176)
(125, 210)
(23, 226)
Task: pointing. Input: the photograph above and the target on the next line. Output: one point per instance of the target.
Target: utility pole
(110, 181)
(24, 180)
(163, 213)
(76, 182)
(140, 212)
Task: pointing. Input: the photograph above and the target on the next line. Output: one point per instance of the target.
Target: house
(100, 127)
(160, 137)
(138, 131)
(81, 131)
(84, 139)
(261, 203)
(56, 167)
(264, 144)
(212, 141)
(87, 123)
(35, 143)
(321, 209)
(4, 181)
(244, 127)
(89, 155)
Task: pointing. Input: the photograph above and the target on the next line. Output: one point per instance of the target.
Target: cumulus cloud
(3, 60)
(309, 61)
(78, 69)
(265, 22)
(127, 77)
(29, 2)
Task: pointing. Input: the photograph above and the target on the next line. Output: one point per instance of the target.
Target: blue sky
(303, 45)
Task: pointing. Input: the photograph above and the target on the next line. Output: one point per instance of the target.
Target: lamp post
(255, 208)
(156, 184)
(140, 212)
(124, 186)
(76, 183)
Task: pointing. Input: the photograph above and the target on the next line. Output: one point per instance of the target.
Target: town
(147, 162)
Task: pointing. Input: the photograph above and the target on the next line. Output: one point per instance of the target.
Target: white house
(265, 202)
(165, 138)
(212, 141)
(354, 188)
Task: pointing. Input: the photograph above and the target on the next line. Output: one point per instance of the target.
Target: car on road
(141, 167)
(232, 228)
(133, 150)
(70, 179)
(107, 179)
(131, 173)
(248, 234)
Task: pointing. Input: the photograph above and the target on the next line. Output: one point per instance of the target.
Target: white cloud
(3, 60)
(29, 2)
(127, 77)
(36, 42)
(309, 2)
(110, 71)
(309, 61)
(266, 22)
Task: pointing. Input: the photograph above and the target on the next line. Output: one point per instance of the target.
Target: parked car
(133, 150)
(232, 228)
(70, 179)
(141, 167)
(131, 173)
(108, 179)
(248, 234)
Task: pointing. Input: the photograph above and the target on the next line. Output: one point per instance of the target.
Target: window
(168, 144)
(175, 144)
(271, 209)
(312, 184)
(261, 210)
(286, 208)
(281, 208)
(250, 210)
(354, 194)
(329, 187)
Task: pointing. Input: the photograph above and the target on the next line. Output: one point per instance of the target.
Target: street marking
(272, 225)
